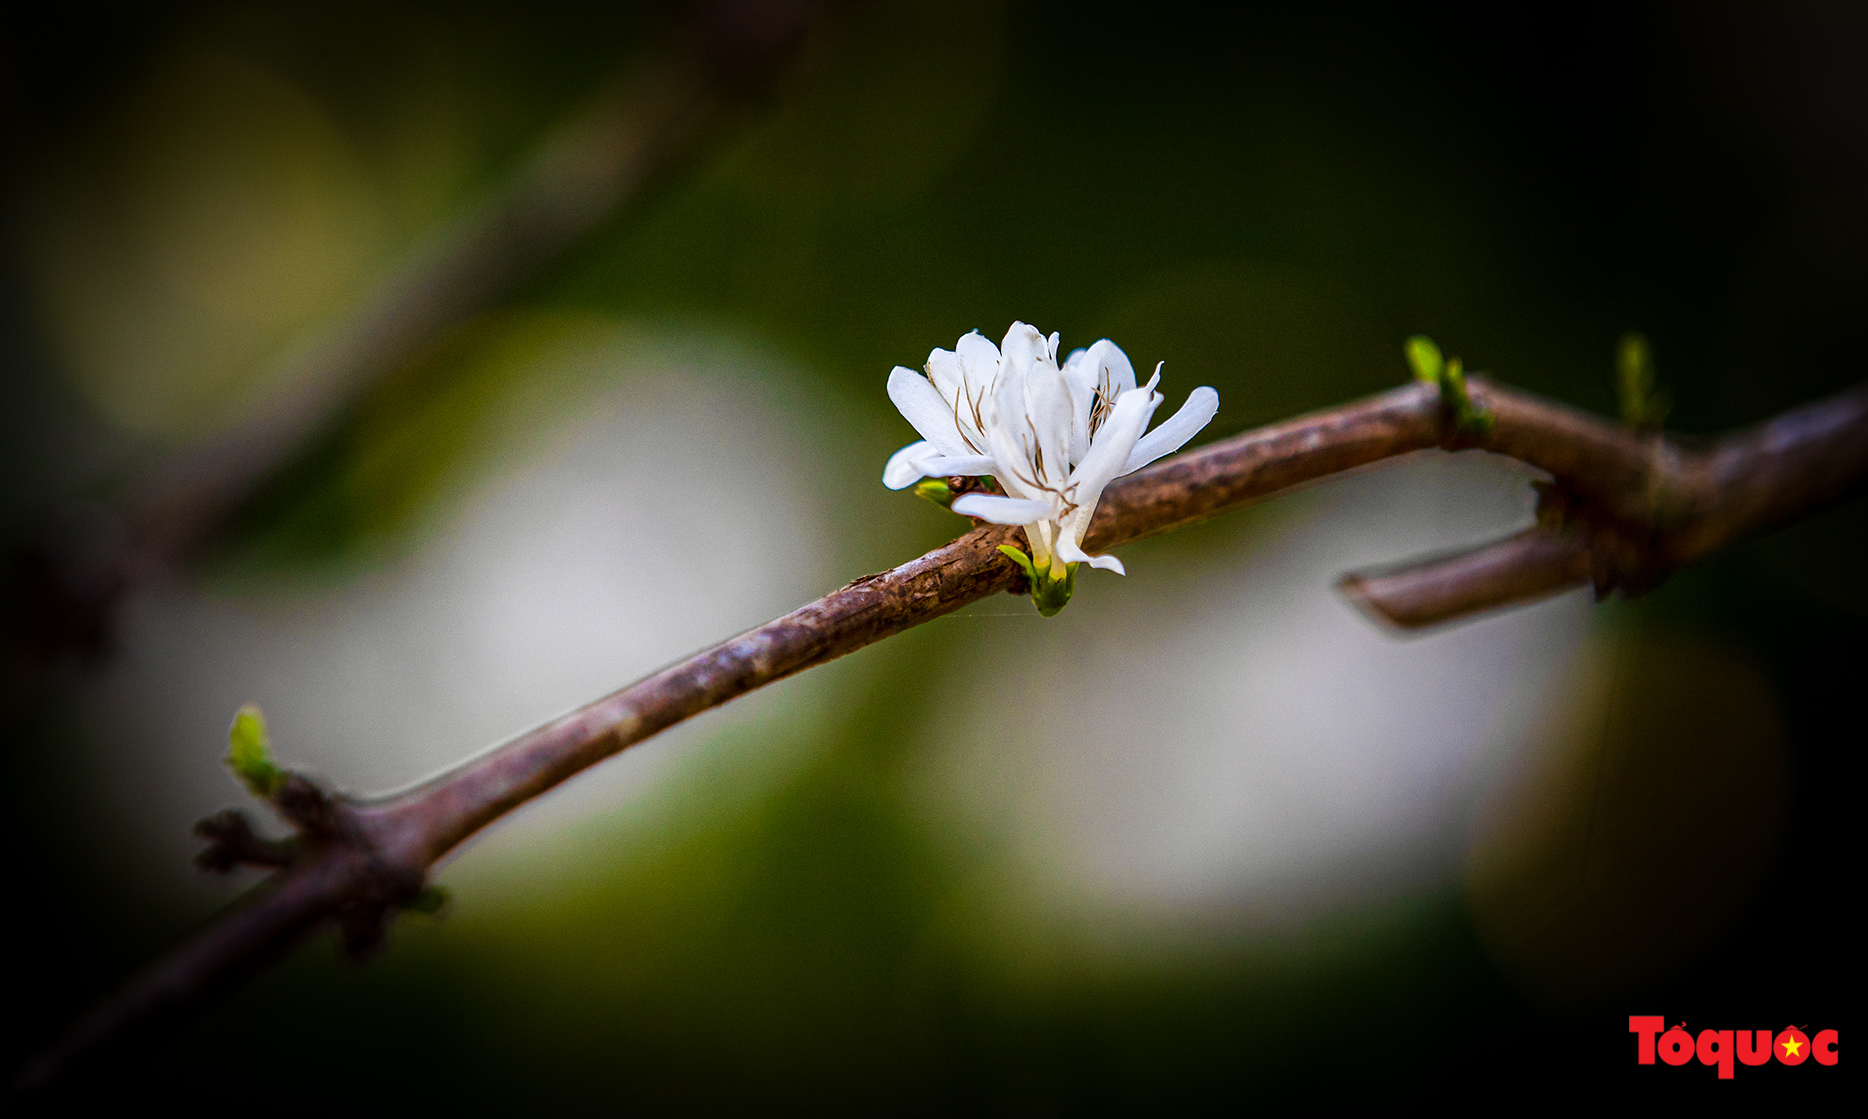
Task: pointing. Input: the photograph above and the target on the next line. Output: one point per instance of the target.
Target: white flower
(1053, 437)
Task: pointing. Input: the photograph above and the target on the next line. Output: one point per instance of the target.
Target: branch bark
(1622, 508)
(1625, 508)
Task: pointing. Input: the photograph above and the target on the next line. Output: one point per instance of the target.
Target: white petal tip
(1001, 510)
(904, 467)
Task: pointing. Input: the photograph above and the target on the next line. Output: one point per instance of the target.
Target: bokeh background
(1209, 836)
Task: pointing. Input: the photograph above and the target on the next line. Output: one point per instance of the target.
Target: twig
(1626, 508)
(1531, 564)
(1622, 508)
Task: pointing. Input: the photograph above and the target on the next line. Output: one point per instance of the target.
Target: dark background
(1525, 184)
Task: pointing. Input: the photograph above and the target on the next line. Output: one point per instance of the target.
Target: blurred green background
(1208, 837)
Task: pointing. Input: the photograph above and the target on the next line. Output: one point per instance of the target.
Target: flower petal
(1001, 510)
(977, 352)
(923, 460)
(904, 467)
(1174, 431)
(1040, 535)
(1113, 444)
(1080, 375)
(1109, 368)
(1048, 410)
(1108, 451)
(921, 404)
(1038, 418)
(1023, 347)
(1008, 437)
(1070, 552)
(1103, 374)
(963, 377)
(946, 466)
(946, 371)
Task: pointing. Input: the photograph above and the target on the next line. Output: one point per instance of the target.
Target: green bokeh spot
(431, 900)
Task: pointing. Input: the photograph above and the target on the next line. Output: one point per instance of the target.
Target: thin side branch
(1529, 565)
(1626, 508)
(1622, 508)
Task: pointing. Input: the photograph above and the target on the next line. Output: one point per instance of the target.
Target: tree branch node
(1629, 558)
(231, 842)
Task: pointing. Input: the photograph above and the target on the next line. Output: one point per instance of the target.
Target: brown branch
(1622, 507)
(1525, 566)
(1626, 508)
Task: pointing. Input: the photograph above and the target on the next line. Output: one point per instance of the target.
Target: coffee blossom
(1052, 436)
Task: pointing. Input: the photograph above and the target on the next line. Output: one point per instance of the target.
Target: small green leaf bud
(1424, 357)
(1449, 374)
(1643, 406)
(1021, 559)
(1468, 418)
(249, 752)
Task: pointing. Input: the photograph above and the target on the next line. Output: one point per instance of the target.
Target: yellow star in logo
(1791, 1046)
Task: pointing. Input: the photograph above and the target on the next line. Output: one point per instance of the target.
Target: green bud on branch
(249, 753)
(1450, 375)
(1424, 357)
(1643, 406)
(936, 490)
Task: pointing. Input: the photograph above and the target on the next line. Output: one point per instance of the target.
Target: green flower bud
(935, 490)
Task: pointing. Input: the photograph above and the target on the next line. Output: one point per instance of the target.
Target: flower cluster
(1052, 435)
